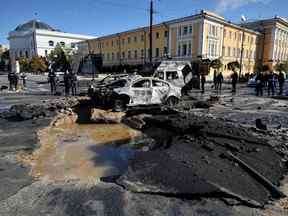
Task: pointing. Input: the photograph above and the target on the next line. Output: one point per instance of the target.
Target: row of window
(238, 36)
(62, 43)
(136, 54)
(21, 53)
(185, 49)
(184, 30)
(129, 40)
(213, 30)
(236, 52)
(278, 55)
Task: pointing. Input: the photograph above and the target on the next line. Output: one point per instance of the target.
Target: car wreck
(135, 91)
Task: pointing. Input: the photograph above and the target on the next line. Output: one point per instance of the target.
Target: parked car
(126, 93)
(252, 81)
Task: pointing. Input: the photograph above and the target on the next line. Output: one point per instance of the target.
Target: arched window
(51, 43)
(62, 43)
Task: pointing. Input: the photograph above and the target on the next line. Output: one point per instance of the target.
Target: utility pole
(241, 55)
(151, 30)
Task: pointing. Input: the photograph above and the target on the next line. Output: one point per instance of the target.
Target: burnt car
(125, 93)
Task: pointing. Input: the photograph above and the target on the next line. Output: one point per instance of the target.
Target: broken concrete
(185, 167)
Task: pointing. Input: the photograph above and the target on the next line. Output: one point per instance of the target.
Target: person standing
(52, 81)
(281, 81)
(220, 80)
(23, 77)
(271, 82)
(259, 83)
(234, 78)
(73, 77)
(67, 83)
(215, 79)
(10, 79)
(203, 81)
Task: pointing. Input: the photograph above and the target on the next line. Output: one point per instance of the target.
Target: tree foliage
(60, 58)
(283, 66)
(24, 64)
(38, 64)
(216, 64)
(233, 65)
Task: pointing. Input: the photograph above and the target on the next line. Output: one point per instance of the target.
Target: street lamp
(243, 19)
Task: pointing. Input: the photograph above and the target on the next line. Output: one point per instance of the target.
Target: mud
(84, 153)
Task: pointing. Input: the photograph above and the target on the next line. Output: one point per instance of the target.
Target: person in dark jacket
(52, 81)
(10, 79)
(271, 82)
(67, 83)
(281, 81)
(234, 78)
(259, 83)
(203, 81)
(73, 78)
(220, 80)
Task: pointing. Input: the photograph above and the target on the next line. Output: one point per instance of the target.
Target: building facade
(36, 38)
(202, 36)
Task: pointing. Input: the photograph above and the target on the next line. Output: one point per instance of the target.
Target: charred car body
(135, 91)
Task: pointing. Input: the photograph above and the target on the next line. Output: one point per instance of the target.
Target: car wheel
(172, 101)
(119, 105)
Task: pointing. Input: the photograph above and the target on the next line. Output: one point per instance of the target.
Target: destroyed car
(179, 73)
(125, 93)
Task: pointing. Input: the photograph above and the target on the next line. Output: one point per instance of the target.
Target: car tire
(119, 105)
(172, 101)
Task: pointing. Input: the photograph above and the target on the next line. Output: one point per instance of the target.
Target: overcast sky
(100, 17)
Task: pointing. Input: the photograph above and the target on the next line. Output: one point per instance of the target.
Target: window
(230, 34)
(157, 35)
(123, 55)
(118, 55)
(165, 50)
(142, 53)
(166, 34)
(179, 31)
(51, 43)
(142, 84)
(123, 41)
(108, 56)
(135, 39)
(117, 42)
(129, 54)
(159, 84)
(184, 49)
(107, 44)
(224, 32)
(179, 50)
(234, 52)
(235, 36)
(21, 53)
(171, 75)
(229, 51)
(142, 37)
(157, 52)
(190, 29)
(223, 51)
(26, 54)
(135, 54)
(112, 43)
(185, 30)
(112, 55)
(62, 43)
(189, 49)
(128, 40)
(159, 75)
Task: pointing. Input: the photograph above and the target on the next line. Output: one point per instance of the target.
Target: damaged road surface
(198, 157)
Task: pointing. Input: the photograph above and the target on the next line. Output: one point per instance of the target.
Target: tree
(216, 64)
(60, 58)
(233, 65)
(24, 64)
(38, 64)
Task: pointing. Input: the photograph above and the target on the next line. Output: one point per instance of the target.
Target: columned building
(36, 38)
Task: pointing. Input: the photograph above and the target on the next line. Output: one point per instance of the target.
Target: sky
(102, 17)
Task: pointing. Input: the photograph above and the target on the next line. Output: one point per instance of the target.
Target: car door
(160, 91)
(141, 92)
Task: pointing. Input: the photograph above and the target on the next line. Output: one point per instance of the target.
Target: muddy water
(82, 153)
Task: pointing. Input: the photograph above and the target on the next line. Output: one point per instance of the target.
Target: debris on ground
(191, 160)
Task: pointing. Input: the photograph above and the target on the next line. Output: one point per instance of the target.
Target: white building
(36, 38)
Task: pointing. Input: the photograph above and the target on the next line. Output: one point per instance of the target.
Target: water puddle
(82, 153)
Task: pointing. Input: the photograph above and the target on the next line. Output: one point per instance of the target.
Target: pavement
(22, 195)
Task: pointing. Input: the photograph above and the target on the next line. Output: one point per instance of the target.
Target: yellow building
(202, 36)
(131, 47)
(275, 36)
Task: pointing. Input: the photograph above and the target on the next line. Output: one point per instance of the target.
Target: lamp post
(243, 19)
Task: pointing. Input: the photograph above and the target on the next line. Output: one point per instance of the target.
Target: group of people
(269, 80)
(69, 79)
(218, 80)
(15, 75)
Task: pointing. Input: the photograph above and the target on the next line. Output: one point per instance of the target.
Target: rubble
(191, 160)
